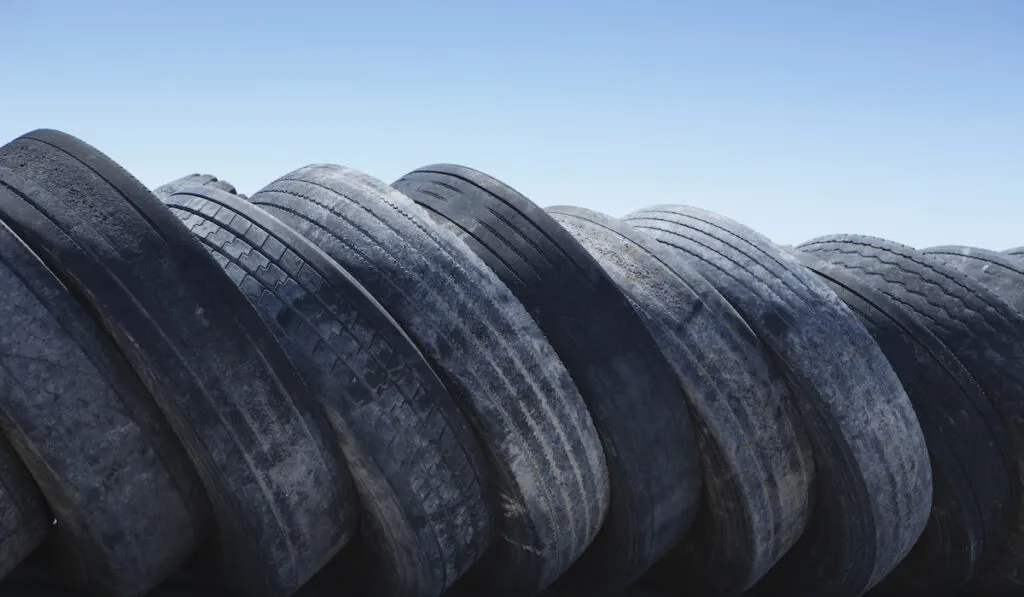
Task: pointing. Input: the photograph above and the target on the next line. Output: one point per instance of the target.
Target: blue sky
(902, 119)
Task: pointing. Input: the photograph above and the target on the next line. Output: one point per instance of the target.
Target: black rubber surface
(969, 449)
(281, 497)
(633, 396)
(757, 465)
(873, 477)
(984, 333)
(193, 180)
(1000, 273)
(89, 431)
(529, 416)
(420, 472)
(25, 519)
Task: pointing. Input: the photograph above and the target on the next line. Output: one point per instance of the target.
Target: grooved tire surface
(1015, 253)
(1000, 273)
(970, 451)
(873, 478)
(984, 333)
(279, 492)
(129, 505)
(529, 416)
(194, 180)
(633, 396)
(418, 467)
(757, 466)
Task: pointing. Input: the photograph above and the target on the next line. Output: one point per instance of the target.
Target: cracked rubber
(633, 396)
(529, 416)
(193, 180)
(970, 451)
(280, 493)
(129, 506)
(419, 470)
(985, 334)
(1000, 273)
(757, 465)
(873, 486)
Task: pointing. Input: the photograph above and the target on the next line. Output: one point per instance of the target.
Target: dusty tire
(633, 396)
(192, 180)
(1000, 273)
(277, 484)
(873, 489)
(984, 333)
(1015, 253)
(25, 519)
(129, 506)
(419, 470)
(969, 448)
(508, 380)
(757, 466)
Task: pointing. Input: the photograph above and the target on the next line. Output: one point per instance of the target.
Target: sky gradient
(897, 119)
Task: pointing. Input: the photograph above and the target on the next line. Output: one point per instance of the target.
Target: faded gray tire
(193, 180)
(1000, 273)
(758, 467)
(873, 486)
(420, 472)
(633, 396)
(1015, 253)
(984, 333)
(280, 493)
(529, 416)
(129, 506)
(970, 451)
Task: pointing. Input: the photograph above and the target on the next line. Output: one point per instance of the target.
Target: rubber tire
(420, 472)
(873, 478)
(25, 519)
(969, 449)
(985, 334)
(510, 383)
(280, 493)
(758, 467)
(193, 180)
(631, 391)
(129, 506)
(1000, 273)
(1015, 253)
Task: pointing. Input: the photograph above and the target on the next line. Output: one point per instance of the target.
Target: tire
(89, 432)
(633, 396)
(873, 486)
(420, 472)
(280, 493)
(25, 519)
(529, 416)
(1015, 253)
(985, 334)
(1000, 273)
(969, 449)
(192, 180)
(757, 466)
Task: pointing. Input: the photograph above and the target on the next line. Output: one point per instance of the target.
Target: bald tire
(633, 396)
(529, 416)
(280, 493)
(1000, 273)
(969, 448)
(873, 478)
(193, 180)
(129, 506)
(419, 470)
(984, 333)
(757, 465)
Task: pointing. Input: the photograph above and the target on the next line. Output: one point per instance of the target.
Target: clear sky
(898, 118)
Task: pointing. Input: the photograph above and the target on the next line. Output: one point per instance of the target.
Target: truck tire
(529, 416)
(1000, 273)
(757, 465)
(280, 494)
(873, 475)
(633, 396)
(419, 470)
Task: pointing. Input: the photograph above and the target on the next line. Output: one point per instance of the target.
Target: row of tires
(340, 386)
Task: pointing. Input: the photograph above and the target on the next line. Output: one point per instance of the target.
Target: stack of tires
(338, 386)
